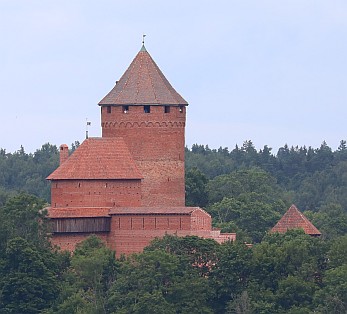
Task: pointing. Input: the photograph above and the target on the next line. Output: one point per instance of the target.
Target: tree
(20, 171)
(333, 297)
(27, 285)
(25, 218)
(229, 276)
(331, 220)
(196, 194)
(158, 278)
(240, 305)
(283, 264)
(197, 252)
(248, 213)
(293, 291)
(253, 180)
(93, 270)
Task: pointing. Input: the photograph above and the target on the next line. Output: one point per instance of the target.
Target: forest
(244, 189)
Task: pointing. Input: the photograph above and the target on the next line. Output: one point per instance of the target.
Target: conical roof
(294, 219)
(143, 83)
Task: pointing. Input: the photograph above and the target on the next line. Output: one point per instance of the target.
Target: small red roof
(143, 83)
(154, 210)
(98, 158)
(294, 219)
(76, 212)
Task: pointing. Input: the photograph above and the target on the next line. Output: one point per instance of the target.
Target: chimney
(64, 153)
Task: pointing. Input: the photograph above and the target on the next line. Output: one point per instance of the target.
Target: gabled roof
(143, 83)
(294, 219)
(98, 158)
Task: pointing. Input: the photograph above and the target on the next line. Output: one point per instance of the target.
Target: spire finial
(143, 48)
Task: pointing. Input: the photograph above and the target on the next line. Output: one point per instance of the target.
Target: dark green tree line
(247, 191)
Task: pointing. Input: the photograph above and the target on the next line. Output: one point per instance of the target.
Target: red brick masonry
(131, 229)
(128, 187)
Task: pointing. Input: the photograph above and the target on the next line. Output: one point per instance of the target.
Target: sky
(273, 72)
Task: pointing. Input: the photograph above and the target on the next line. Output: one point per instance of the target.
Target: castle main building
(128, 186)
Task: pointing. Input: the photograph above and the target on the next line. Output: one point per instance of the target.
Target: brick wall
(68, 242)
(131, 233)
(95, 193)
(200, 220)
(156, 142)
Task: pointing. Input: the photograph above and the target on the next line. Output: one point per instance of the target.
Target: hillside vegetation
(244, 190)
(247, 191)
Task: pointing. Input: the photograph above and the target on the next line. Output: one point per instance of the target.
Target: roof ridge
(164, 79)
(155, 95)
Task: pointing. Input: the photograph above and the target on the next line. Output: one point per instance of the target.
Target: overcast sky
(273, 72)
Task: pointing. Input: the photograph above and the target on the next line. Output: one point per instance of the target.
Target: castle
(128, 186)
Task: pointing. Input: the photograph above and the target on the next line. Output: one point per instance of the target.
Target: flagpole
(87, 124)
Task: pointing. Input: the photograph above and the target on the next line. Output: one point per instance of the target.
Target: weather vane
(143, 39)
(88, 123)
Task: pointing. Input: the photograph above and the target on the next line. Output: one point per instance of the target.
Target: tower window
(181, 109)
(146, 109)
(167, 109)
(108, 109)
(125, 109)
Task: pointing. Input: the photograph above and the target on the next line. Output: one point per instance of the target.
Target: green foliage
(249, 198)
(331, 220)
(76, 303)
(293, 291)
(86, 282)
(198, 252)
(210, 162)
(196, 194)
(240, 182)
(29, 268)
(94, 264)
(314, 179)
(333, 297)
(287, 271)
(249, 214)
(241, 304)
(230, 274)
(161, 278)
(28, 284)
(24, 217)
(337, 252)
(245, 190)
(20, 171)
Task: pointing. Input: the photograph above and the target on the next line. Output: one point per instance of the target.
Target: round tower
(146, 111)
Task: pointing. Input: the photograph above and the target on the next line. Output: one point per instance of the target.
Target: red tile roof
(85, 212)
(294, 219)
(154, 210)
(143, 83)
(98, 158)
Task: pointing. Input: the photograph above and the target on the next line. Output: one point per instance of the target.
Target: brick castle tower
(150, 115)
(128, 186)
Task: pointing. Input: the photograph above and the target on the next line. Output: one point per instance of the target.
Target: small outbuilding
(294, 219)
